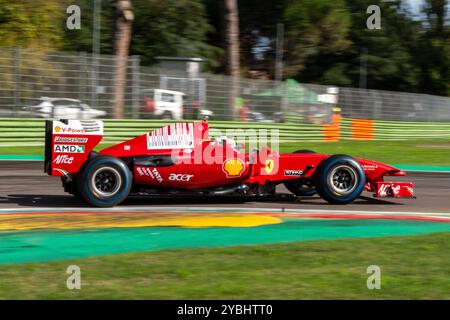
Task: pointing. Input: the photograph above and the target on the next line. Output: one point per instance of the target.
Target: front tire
(340, 179)
(104, 181)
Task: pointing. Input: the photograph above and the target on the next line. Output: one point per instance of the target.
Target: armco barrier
(30, 132)
(352, 129)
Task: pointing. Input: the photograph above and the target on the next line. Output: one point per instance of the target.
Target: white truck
(168, 104)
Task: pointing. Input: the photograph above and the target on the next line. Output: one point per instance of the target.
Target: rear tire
(104, 181)
(301, 187)
(340, 179)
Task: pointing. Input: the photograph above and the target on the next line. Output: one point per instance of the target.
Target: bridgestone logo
(72, 140)
(293, 172)
(68, 148)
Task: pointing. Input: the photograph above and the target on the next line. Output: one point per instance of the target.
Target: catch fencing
(26, 76)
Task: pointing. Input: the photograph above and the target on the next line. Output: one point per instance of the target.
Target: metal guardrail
(30, 132)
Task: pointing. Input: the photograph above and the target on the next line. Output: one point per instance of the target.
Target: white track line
(221, 209)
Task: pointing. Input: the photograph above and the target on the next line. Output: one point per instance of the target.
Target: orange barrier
(362, 129)
(331, 132)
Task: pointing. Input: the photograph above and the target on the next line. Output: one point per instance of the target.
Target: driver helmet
(224, 140)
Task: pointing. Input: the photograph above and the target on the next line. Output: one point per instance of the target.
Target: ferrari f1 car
(181, 159)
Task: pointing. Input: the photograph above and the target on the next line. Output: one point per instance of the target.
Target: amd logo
(68, 148)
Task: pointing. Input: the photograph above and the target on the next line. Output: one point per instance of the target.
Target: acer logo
(63, 159)
(180, 177)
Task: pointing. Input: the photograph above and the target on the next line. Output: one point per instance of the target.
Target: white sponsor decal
(63, 159)
(293, 172)
(71, 139)
(154, 174)
(94, 127)
(68, 148)
(157, 175)
(177, 136)
(386, 188)
(180, 177)
(411, 190)
(144, 171)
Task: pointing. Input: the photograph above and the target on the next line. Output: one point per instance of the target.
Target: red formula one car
(181, 159)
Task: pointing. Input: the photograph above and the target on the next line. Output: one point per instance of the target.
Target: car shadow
(68, 201)
(362, 200)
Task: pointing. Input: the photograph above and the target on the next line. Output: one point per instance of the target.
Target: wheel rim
(343, 179)
(106, 182)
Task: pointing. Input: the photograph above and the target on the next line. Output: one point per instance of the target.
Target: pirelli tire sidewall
(116, 168)
(323, 179)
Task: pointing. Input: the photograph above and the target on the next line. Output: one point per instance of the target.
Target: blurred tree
(316, 34)
(258, 29)
(167, 28)
(390, 51)
(232, 18)
(36, 24)
(124, 18)
(81, 40)
(172, 28)
(434, 48)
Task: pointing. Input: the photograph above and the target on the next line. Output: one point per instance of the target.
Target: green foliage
(34, 24)
(81, 40)
(160, 28)
(172, 28)
(434, 46)
(315, 27)
(323, 38)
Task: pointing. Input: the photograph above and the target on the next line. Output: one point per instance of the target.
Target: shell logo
(233, 167)
(57, 129)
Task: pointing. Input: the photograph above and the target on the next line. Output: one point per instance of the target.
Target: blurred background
(296, 61)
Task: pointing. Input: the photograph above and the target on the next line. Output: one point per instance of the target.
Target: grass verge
(414, 267)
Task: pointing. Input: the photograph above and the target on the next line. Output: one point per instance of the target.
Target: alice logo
(233, 167)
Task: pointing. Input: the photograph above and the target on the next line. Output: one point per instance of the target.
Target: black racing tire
(301, 187)
(340, 179)
(104, 181)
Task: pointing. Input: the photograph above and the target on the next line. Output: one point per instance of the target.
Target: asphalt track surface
(23, 185)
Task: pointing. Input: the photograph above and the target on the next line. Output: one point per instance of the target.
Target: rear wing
(68, 144)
